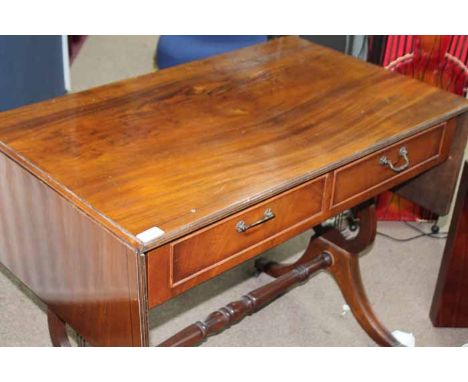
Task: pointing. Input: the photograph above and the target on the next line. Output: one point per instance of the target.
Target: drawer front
(232, 236)
(387, 165)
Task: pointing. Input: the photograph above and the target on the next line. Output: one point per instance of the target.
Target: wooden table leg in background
(450, 301)
(57, 330)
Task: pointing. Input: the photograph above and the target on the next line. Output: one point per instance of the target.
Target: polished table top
(184, 147)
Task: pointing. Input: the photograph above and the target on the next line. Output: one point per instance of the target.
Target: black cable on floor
(422, 231)
(442, 235)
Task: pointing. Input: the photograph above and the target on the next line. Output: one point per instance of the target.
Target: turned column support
(235, 311)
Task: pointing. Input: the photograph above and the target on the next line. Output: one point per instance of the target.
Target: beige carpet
(399, 277)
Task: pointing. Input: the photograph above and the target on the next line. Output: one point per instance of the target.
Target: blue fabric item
(175, 50)
(31, 70)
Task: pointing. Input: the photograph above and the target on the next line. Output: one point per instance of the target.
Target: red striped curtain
(407, 55)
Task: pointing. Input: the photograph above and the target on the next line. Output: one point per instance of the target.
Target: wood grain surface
(187, 146)
(365, 174)
(86, 275)
(182, 264)
(436, 188)
(221, 241)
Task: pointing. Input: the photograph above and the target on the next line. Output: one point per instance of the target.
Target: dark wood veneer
(363, 175)
(450, 301)
(169, 150)
(192, 150)
(290, 208)
(434, 189)
(85, 274)
(172, 270)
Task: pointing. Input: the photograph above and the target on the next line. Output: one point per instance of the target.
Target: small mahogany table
(119, 198)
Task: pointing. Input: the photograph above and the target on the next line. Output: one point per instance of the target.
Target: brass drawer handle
(384, 161)
(242, 226)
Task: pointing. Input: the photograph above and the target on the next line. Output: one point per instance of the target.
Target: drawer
(236, 234)
(388, 165)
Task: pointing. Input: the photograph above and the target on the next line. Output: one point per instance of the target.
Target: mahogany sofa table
(116, 199)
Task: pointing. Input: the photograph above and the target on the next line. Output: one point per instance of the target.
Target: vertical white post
(66, 64)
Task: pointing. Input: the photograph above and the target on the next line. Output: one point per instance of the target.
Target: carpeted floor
(399, 277)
